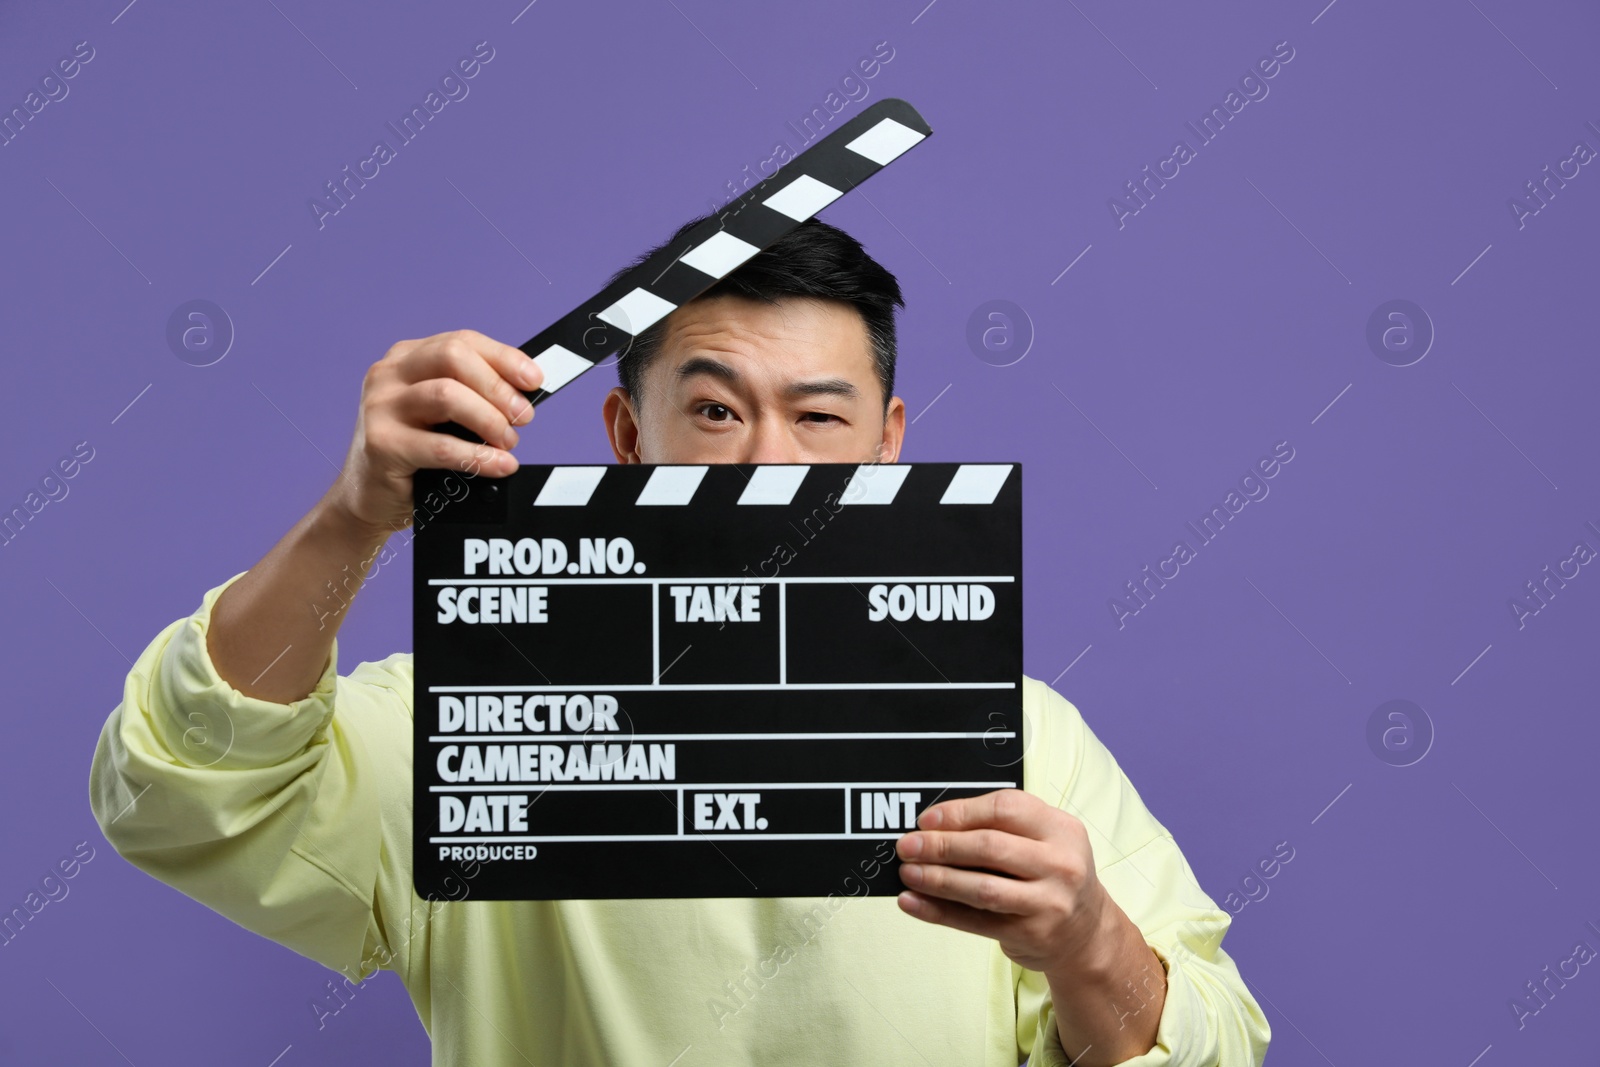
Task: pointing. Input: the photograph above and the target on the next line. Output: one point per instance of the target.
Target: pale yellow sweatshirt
(294, 820)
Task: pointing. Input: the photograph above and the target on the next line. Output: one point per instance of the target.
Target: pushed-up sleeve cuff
(205, 722)
(1185, 1020)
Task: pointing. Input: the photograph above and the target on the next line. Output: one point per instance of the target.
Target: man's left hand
(1035, 893)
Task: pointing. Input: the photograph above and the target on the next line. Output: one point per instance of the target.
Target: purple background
(1227, 315)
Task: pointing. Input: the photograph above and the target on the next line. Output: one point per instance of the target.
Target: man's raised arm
(239, 767)
(272, 629)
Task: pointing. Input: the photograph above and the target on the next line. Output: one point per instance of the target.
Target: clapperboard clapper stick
(607, 323)
(720, 680)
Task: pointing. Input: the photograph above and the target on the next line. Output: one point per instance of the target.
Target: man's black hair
(814, 259)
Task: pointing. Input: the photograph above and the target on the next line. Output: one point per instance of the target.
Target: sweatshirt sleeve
(267, 813)
(1208, 1018)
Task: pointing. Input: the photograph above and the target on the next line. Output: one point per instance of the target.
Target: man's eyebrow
(839, 387)
(823, 387)
(706, 365)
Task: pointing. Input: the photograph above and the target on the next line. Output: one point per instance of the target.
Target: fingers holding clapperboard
(461, 376)
(1008, 866)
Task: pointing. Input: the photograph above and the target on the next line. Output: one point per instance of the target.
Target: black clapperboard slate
(800, 738)
(849, 652)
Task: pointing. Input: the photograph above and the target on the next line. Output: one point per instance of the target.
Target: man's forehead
(795, 335)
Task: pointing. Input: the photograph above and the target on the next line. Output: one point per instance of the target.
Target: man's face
(741, 381)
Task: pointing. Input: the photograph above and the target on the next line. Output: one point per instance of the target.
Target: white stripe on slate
(802, 198)
(719, 254)
(976, 483)
(875, 483)
(569, 486)
(560, 366)
(774, 484)
(885, 141)
(671, 485)
(636, 312)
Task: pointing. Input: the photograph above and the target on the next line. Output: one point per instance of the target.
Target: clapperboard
(685, 681)
(708, 681)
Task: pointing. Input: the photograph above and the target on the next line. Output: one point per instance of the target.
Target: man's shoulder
(1052, 738)
(1042, 698)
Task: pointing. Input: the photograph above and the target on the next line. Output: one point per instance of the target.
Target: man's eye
(714, 412)
(821, 416)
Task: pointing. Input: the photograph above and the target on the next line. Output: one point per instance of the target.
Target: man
(1059, 920)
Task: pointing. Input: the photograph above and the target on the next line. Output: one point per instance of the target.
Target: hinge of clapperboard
(606, 324)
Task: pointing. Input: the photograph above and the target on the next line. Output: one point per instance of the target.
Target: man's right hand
(272, 631)
(462, 377)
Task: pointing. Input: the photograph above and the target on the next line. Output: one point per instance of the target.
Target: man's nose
(769, 443)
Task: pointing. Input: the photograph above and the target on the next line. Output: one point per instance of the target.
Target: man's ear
(622, 425)
(894, 431)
